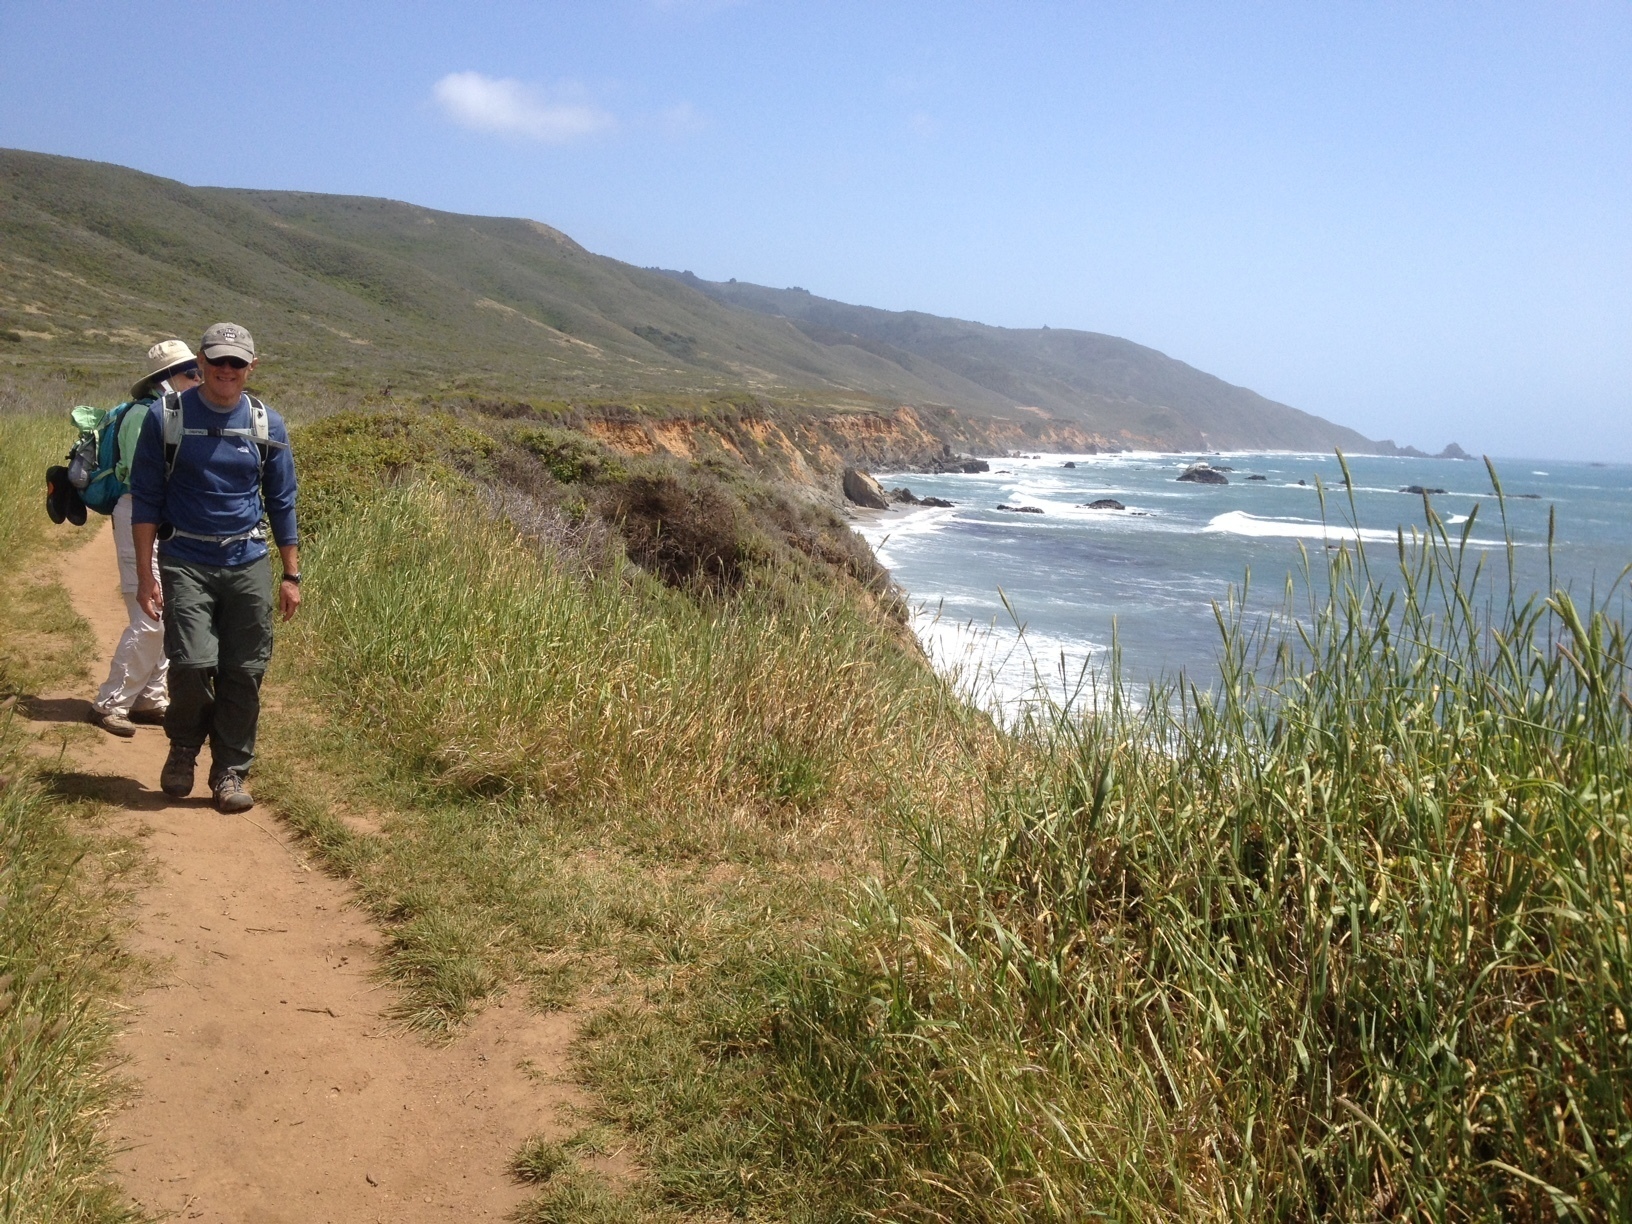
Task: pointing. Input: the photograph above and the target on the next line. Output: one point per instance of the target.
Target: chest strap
(259, 432)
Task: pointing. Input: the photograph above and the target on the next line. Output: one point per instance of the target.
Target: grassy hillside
(352, 292)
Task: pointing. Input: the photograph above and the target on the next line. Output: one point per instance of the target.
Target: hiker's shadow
(54, 709)
(126, 793)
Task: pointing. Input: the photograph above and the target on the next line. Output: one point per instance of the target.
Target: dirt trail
(271, 1087)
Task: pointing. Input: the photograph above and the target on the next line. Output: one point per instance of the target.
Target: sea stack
(1204, 473)
(863, 490)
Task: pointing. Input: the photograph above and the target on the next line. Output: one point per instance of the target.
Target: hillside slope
(349, 291)
(1103, 383)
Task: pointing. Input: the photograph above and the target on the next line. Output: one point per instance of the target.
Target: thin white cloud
(923, 124)
(681, 120)
(512, 108)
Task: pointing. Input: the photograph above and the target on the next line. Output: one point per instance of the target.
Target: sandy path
(271, 1088)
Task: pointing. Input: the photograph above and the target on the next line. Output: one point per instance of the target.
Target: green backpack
(103, 487)
(91, 479)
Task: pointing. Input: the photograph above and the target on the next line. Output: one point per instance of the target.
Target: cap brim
(228, 350)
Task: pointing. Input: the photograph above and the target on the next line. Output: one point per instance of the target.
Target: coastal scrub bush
(702, 527)
(1344, 935)
(687, 529)
(342, 458)
(569, 455)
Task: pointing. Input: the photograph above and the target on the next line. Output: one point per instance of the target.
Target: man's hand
(149, 594)
(289, 592)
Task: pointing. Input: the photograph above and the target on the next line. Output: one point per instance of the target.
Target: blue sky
(1415, 219)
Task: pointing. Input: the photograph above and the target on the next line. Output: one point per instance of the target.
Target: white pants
(136, 678)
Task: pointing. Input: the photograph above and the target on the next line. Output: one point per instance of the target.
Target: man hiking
(210, 463)
(134, 691)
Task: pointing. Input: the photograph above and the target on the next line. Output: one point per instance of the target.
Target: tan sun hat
(164, 358)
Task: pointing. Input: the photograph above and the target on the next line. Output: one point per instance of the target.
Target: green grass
(62, 886)
(45, 643)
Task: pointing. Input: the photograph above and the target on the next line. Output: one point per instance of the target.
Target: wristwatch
(294, 578)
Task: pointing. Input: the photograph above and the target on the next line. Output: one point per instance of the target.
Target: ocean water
(1006, 600)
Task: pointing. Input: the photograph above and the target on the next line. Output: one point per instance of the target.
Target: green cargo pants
(218, 638)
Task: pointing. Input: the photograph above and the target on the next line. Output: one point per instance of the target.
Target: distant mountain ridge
(98, 260)
(1103, 383)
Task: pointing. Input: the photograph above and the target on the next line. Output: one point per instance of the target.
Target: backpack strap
(171, 407)
(259, 432)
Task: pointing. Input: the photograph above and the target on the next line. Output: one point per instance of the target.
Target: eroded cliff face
(813, 448)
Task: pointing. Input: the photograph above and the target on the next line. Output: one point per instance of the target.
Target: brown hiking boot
(230, 795)
(176, 778)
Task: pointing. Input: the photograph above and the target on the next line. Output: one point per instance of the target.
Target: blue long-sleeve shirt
(216, 488)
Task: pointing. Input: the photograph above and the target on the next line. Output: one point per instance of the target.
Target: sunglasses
(236, 363)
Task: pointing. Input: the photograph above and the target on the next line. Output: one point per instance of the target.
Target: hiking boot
(153, 716)
(113, 724)
(230, 795)
(176, 778)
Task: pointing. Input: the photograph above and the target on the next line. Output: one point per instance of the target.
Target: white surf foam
(1006, 669)
(1239, 522)
(894, 527)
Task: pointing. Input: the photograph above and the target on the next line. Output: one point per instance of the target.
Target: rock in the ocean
(938, 502)
(1020, 509)
(1257, 477)
(1419, 490)
(1204, 473)
(905, 495)
(1068, 463)
(862, 489)
(1106, 503)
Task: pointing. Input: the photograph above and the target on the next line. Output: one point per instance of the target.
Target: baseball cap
(227, 340)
